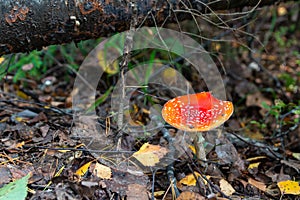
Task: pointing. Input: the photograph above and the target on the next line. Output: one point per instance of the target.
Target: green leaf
(279, 103)
(296, 111)
(16, 190)
(265, 105)
(254, 122)
(274, 113)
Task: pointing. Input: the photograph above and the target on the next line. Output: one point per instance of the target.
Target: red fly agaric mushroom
(197, 112)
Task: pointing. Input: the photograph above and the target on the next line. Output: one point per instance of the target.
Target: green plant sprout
(279, 112)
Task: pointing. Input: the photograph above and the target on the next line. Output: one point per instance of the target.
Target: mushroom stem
(198, 141)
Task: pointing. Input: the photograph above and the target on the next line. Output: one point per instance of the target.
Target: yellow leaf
(254, 165)
(289, 187)
(190, 180)
(20, 144)
(296, 155)
(150, 154)
(1, 59)
(158, 193)
(102, 171)
(193, 149)
(83, 169)
(22, 95)
(226, 188)
(19, 119)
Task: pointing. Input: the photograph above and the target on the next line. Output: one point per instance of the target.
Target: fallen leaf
(44, 130)
(1, 59)
(261, 186)
(289, 187)
(15, 190)
(149, 154)
(282, 176)
(20, 144)
(228, 154)
(254, 165)
(190, 180)
(193, 149)
(102, 171)
(39, 118)
(122, 178)
(159, 193)
(292, 163)
(22, 95)
(296, 155)
(83, 169)
(226, 188)
(188, 195)
(136, 191)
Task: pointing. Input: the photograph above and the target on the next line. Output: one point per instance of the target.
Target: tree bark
(32, 24)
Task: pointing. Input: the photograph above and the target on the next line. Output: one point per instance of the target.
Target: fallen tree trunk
(32, 24)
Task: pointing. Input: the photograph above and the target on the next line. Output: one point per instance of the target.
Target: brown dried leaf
(261, 186)
(137, 192)
(102, 171)
(188, 195)
(228, 154)
(226, 188)
(292, 163)
(150, 154)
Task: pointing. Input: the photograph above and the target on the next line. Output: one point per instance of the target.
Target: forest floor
(255, 155)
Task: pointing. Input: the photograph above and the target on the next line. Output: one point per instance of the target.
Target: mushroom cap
(197, 112)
